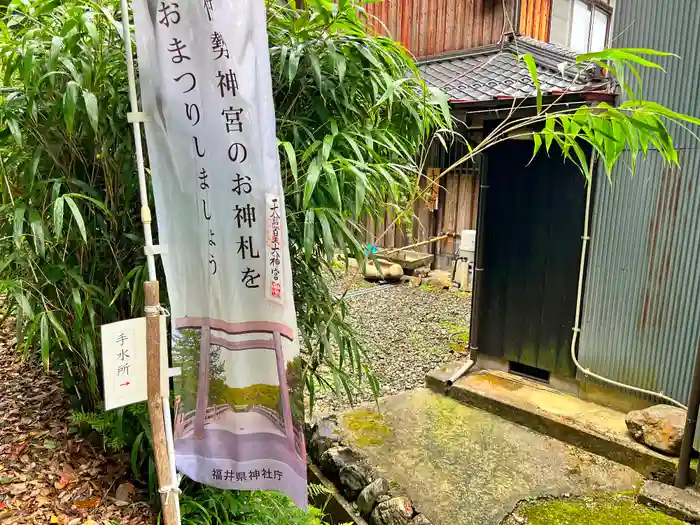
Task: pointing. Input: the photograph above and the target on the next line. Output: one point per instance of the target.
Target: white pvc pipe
(147, 232)
(577, 320)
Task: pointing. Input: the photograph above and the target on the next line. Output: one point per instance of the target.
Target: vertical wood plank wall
(431, 27)
(535, 18)
(456, 211)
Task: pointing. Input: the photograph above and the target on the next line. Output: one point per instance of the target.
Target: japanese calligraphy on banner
(205, 84)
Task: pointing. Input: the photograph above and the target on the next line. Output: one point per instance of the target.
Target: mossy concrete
(463, 466)
(578, 422)
(611, 509)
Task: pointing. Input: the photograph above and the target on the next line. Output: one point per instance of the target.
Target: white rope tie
(158, 309)
(167, 490)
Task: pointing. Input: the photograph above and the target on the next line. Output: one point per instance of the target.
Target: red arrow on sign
(125, 384)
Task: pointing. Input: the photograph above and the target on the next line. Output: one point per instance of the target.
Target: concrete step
(463, 466)
(592, 427)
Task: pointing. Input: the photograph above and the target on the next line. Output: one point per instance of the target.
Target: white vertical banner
(206, 87)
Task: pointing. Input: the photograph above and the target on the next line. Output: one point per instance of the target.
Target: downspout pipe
(478, 275)
(691, 421)
(577, 320)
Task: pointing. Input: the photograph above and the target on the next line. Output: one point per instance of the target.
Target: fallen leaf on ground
(19, 448)
(124, 492)
(18, 488)
(46, 468)
(89, 503)
(42, 500)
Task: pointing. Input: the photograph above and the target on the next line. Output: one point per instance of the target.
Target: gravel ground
(406, 330)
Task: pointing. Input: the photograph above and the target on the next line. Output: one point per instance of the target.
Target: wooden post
(155, 400)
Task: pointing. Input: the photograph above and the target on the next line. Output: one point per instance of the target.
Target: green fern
(316, 489)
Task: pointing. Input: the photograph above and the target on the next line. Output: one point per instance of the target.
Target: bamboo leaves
(353, 117)
(65, 251)
(635, 126)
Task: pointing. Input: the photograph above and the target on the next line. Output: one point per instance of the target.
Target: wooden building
(433, 27)
(466, 48)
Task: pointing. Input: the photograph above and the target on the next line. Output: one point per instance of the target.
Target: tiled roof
(494, 72)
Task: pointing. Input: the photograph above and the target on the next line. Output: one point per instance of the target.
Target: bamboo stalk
(155, 403)
(416, 245)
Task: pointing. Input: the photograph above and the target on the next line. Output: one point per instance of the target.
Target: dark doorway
(533, 222)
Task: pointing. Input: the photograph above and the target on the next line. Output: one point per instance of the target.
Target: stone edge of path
(648, 463)
(683, 504)
(348, 479)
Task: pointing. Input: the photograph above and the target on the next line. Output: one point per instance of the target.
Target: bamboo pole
(160, 413)
(155, 403)
(416, 245)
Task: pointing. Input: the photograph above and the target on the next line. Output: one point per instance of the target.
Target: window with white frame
(590, 24)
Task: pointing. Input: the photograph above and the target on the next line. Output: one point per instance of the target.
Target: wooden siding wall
(456, 211)
(431, 27)
(535, 18)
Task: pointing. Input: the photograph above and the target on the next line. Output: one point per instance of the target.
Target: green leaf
(62, 335)
(92, 111)
(340, 65)
(309, 222)
(14, 129)
(77, 216)
(70, 103)
(58, 206)
(538, 143)
(23, 304)
(56, 46)
(99, 204)
(44, 339)
(333, 184)
(311, 180)
(316, 68)
(291, 159)
(360, 191)
(327, 146)
(37, 226)
(293, 67)
(328, 244)
(549, 133)
(18, 224)
(532, 69)
(135, 453)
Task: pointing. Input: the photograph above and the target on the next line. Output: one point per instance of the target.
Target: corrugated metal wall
(431, 27)
(534, 18)
(641, 317)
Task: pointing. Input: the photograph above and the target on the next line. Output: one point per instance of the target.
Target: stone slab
(587, 425)
(464, 466)
(679, 503)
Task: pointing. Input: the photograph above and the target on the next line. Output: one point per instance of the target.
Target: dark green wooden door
(532, 244)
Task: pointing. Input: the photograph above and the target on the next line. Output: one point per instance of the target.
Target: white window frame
(593, 5)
